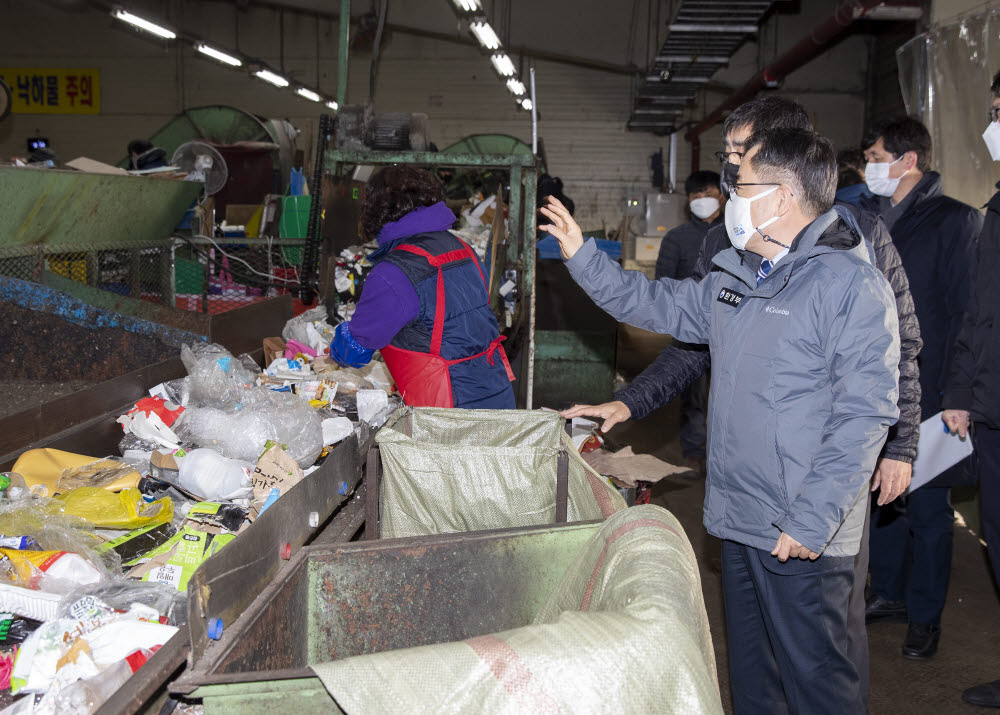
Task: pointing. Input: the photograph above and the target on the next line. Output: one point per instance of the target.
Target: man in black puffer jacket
(935, 235)
(972, 393)
(676, 368)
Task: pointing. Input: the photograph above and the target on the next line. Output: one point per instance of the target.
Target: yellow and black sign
(46, 90)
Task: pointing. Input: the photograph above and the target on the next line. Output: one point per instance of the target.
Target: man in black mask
(676, 368)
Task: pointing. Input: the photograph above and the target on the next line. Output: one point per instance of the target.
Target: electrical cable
(233, 258)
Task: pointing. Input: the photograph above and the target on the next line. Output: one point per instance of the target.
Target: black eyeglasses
(735, 188)
(994, 116)
(723, 156)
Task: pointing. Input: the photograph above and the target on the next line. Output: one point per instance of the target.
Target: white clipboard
(937, 450)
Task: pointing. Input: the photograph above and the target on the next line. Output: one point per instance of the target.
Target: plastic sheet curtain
(945, 77)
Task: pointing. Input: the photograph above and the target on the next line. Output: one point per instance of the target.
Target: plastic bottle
(12, 485)
(84, 696)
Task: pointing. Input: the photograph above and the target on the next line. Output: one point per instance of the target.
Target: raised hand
(562, 226)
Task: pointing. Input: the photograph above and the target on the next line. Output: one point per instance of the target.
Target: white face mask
(704, 207)
(992, 138)
(877, 178)
(739, 225)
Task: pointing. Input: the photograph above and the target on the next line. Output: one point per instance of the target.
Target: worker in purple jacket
(425, 303)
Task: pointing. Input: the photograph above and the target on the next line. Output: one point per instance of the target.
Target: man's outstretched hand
(611, 412)
(562, 226)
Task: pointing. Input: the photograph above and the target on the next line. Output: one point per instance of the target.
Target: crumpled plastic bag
(122, 594)
(213, 477)
(216, 378)
(276, 416)
(102, 473)
(42, 469)
(311, 328)
(124, 510)
(52, 529)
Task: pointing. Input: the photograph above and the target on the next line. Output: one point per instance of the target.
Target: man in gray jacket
(804, 337)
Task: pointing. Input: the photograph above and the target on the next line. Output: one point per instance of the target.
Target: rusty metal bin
(365, 597)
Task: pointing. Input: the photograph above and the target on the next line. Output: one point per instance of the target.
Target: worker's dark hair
(701, 180)
(995, 87)
(900, 135)
(139, 146)
(768, 112)
(395, 191)
(850, 168)
(800, 159)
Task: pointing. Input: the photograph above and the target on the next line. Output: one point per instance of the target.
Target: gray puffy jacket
(679, 366)
(804, 383)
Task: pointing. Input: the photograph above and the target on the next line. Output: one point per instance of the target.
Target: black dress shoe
(921, 641)
(986, 695)
(878, 608)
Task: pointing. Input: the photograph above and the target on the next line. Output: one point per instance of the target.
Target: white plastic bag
(213, 477)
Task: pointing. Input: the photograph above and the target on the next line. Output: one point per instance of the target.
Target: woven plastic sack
(450, 470)
(625, 631)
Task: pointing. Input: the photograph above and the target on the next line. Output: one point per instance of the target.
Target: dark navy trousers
(987, 444)
(790, 650)
(911, 552)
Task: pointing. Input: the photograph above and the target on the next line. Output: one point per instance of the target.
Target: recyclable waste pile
(96, 552)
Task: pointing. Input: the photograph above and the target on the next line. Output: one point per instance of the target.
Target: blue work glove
(345, 350)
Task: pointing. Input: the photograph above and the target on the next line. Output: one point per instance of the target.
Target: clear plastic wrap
(53, 530)
(100, 473)
(120, 594)
(277, 416)
(228, 412)
(217, 379)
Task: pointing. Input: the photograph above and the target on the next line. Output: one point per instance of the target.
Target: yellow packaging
(124, 510)
(41, 469)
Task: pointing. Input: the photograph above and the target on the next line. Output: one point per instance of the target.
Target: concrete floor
(970, 643)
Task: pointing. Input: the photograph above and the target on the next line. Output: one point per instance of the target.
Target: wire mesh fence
(198, 274)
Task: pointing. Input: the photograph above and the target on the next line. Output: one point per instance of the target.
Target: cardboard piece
(274, 470)
(274, 348)
(92, 166)
(163, 460)
(628, 467)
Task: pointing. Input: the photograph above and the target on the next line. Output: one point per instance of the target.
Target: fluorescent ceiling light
(333, 105)
(503, 64)
(218, 55)
(526, 104)
(484, 33)
(144, 24)
(276, 79)
(516, 86)
(307, 93)
(467, 5)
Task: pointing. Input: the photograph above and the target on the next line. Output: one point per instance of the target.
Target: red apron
(423, 379)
